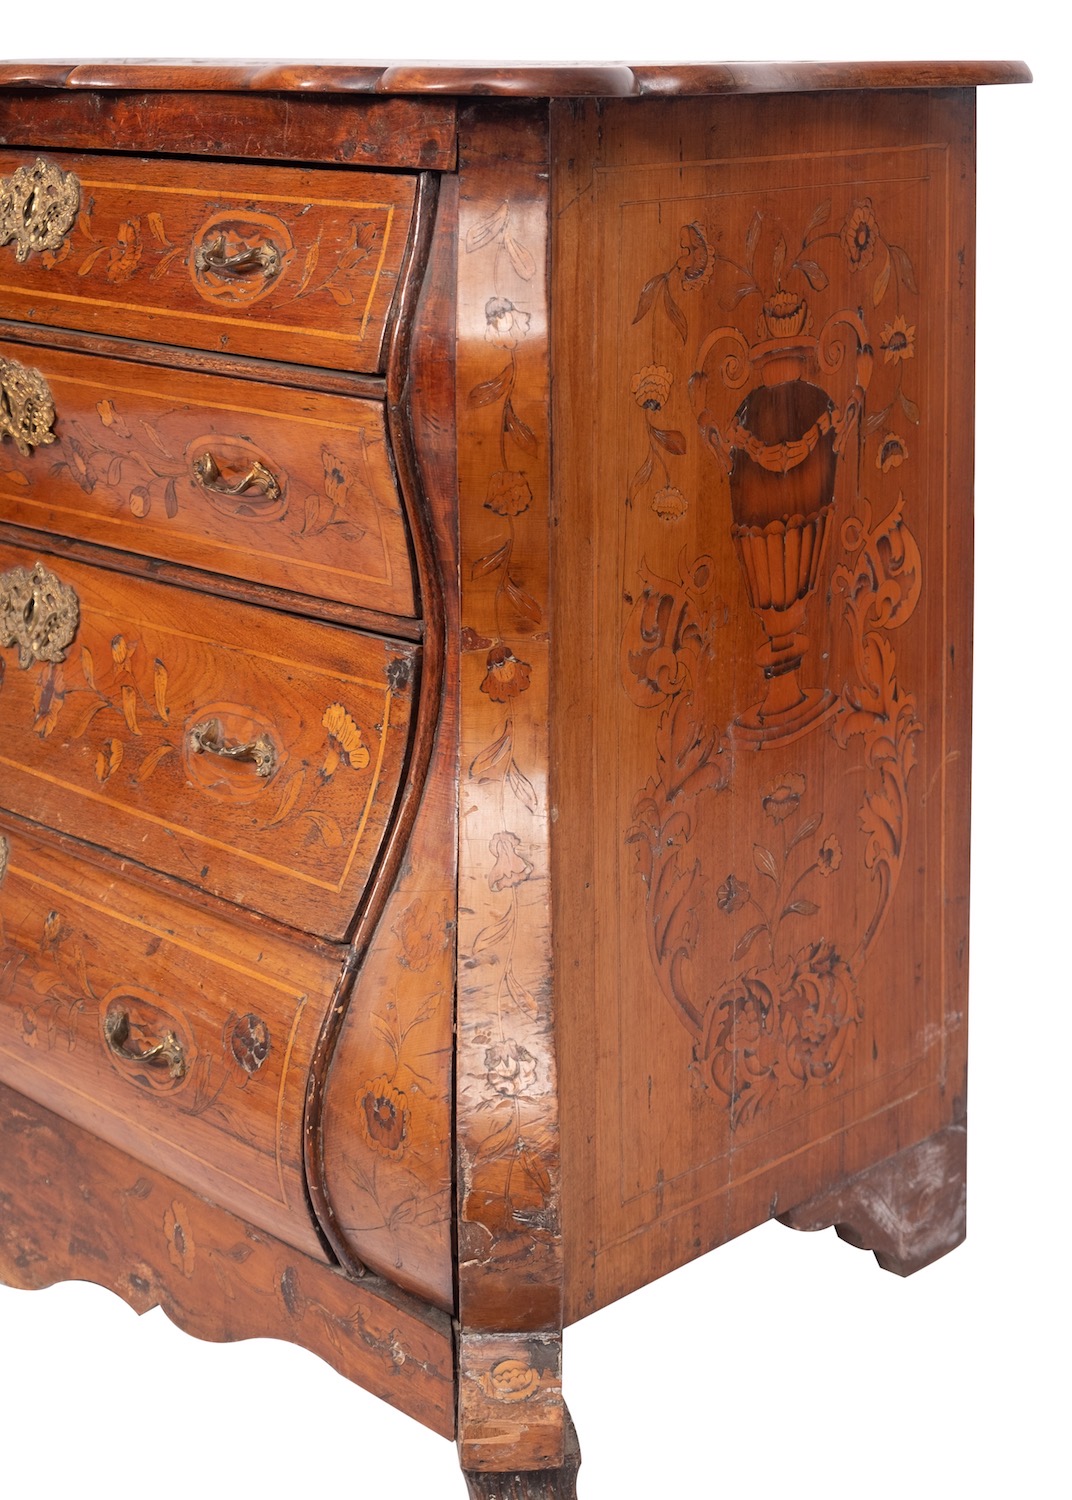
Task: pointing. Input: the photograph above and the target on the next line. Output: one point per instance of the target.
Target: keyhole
(29, 208)
(29, 611)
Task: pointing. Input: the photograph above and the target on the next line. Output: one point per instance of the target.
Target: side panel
(762, 565)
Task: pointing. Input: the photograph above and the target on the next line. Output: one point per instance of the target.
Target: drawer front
(278, 262)
(179, 1038)
(283, 487)
(254, 755)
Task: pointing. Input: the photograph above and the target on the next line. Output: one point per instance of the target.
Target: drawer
(176, 1036)
(283, 487)
(254, 755)
(281, 262)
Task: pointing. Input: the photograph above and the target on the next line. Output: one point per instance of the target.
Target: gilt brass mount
(38, 614)
(38, 208)
(27, 410)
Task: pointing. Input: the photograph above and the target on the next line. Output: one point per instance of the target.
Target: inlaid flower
(511, 866)
(251, 1042)
(125, 255)
(509, 493)
(898, 340)
(782, 799)
(507, 325)
(506, 675)
(181, 1251)
(651, 387)
(740, 1047)
(422, 935)
(345, 742)
(785, 314)
(859, 235)
(669, 504)
(338, 476)
(829, 856)
(732, 894)
(820, 1012)
(511, 1069)
(695, 263)
(384, 1116)
(892, 453)
(511, 1380)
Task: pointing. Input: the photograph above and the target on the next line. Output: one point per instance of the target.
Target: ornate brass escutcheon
(38, 208)
(38, 614)
(27, 410)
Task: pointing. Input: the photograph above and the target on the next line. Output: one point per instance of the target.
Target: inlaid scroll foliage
(780, 1010)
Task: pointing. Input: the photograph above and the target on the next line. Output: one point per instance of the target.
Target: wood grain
(115, 744)
(259, 260)
(297, 492)
(72, 1207)
(381, 1163)
(762, 646)
(338, 131)
(80, 949)
(557, 81)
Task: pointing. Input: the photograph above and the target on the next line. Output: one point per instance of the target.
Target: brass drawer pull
(207, 738)
(252, 260)
(167, 1053)
(38, 614)
(207, 473)
(38, 208)
(27, 410)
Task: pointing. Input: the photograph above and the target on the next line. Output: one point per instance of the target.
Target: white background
(782, 1363)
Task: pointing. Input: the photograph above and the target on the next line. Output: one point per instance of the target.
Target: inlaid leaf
(130, 707)
(781, 250)
(326, 826)
(109, 759)
(156, 225)
(490, 561)
(312, 255)
(485, 765)
(751, 239)
(647, 296)
(88, 714)
(904, 267)
(151, 761)
(800, 908)
(291, 793)
(817, 278)
(155, 438)
(674, 313)
(520, 431)
(740, 294)
(520, 995)
(342, 295)
(521, 787)
(13, 476)
(524, 603)
(485, 230)
(87, 667)
(171, 500)
(520, 258)
(882, 281)
(744, 943)
(491, 390)
(91, 260)
(673, 442)
(805, 830)
(764, 861)
(820, 216)
(641, 477)
(911, 410)
(493, 934)
(160, 686)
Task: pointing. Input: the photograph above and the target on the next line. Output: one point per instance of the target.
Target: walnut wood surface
(760, 706)
(72, 1207)
(127, 469)
(532, 1484)
(509, 1232)
(80, 948)
(910, 1210)
(555, 81)
(135, 258)
(337, 131)
(103, 745)
(381, 1165)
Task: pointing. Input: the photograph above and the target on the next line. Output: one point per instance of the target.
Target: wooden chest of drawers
(485, 609)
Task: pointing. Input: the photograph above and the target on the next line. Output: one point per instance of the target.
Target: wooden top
(527, 80)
